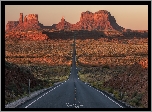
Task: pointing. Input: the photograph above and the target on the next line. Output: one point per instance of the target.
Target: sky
(133, 17)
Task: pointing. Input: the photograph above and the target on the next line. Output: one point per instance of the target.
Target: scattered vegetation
(119, 67)
(116, 66)
(43, 62)
(41, 76)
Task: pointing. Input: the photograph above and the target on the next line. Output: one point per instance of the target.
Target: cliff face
(21, 18)
(100, 20)
(63, 25)
(31, 19)
(11, 25)
(30, 22)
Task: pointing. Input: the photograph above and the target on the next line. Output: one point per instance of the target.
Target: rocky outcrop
(30, 23)
(101, 20)
(31, 19)
(11, 25)
(63, 25)
(21, 18)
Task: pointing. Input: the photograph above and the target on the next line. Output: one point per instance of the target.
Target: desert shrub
(136, 99)
(134, 94)
(117, 94)
(125, 97)
(110, 90)
(11, 87)
(106, 66)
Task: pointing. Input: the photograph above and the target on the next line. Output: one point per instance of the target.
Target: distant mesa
(100, 20)
(30, 22)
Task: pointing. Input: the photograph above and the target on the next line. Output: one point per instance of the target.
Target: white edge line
(109, 98)
(39, 98)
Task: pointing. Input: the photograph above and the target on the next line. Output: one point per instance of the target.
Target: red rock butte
(100, 20)
(30, 22)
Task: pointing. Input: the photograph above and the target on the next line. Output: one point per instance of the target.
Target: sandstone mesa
(100, 21)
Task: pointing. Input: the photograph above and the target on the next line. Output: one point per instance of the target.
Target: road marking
(102, 93)
(30, 103)
(106, 96)
(75, 105)
(38, 98)
(41, 96)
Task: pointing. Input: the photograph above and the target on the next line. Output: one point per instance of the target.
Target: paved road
(72, 93)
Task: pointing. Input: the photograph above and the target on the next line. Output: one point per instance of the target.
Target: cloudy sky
(133, 17)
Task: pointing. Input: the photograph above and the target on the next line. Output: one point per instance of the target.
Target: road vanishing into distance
(73, 93)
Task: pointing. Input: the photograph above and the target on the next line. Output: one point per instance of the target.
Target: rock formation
(11, 25)
(21, 18)
(100, 20)
(63, 25)
(30, 23)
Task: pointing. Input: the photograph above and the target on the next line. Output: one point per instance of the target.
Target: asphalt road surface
(73, 93)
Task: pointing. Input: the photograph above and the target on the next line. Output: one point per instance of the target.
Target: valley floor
(118, 67)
